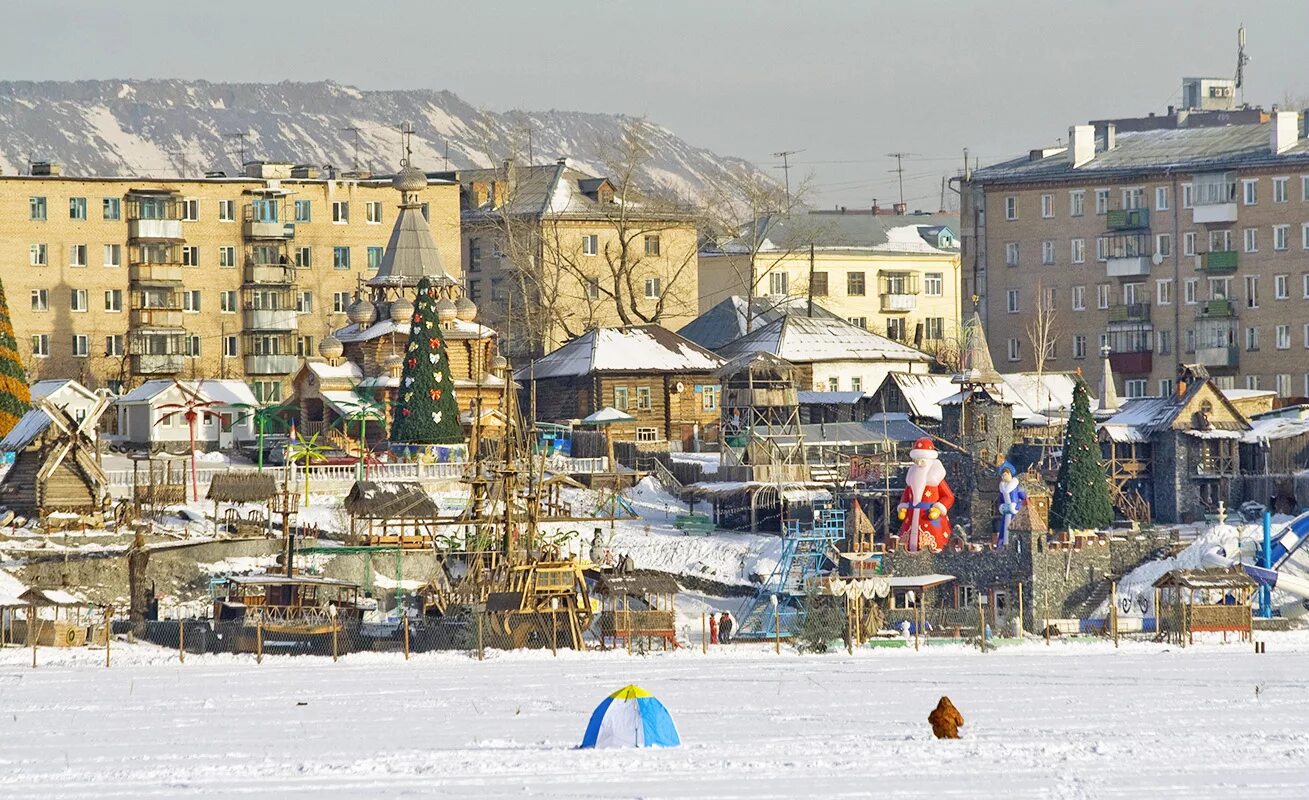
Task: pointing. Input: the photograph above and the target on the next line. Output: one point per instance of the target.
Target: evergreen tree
(1081, 492)
(426, 412)
(15, 396)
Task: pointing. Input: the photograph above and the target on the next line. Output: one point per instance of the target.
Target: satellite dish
(1157, 259)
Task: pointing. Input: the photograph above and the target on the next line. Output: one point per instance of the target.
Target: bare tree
(1042, 329)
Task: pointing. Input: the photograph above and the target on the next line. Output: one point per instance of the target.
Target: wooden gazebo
(392, 514)
(1204, 600)
(638, 605)
(241, 488)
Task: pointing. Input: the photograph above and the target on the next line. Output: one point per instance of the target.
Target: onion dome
(402, 311)
(330, 347)
(409, 179)
(499, 363)
(394, 363)
(445, 310)
(465, 309)
(361, 312)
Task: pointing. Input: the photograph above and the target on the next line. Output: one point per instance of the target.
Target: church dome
(445, 310)
(402, 311)
(499, 363)
(465, 309)
(330, 347)
(409, 179)
(361, 312)
(394, 363)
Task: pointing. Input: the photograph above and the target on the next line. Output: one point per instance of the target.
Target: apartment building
(117, 280)
(1159, 246)
(894, 274)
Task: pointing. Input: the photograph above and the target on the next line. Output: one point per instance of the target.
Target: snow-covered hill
(163, 127)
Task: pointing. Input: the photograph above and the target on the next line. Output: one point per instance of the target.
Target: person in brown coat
(945, 719)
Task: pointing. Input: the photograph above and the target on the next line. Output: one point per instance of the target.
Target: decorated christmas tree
(1081, 492)
(15, 397)
(426, 411)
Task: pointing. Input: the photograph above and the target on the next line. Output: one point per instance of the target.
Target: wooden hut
(1204, 600)
(391, 513)
(638, 605)
(56, 463)
(243, 488)
(65, 625)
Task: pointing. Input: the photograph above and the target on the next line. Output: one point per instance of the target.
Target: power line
(786, 171)
(899, 170)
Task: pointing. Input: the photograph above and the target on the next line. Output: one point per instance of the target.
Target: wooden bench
(694, 523)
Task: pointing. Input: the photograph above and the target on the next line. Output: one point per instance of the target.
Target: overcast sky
(845, 83)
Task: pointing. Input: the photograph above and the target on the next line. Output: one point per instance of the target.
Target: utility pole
(899, 170)
(355, 161)
(240, 137)
(785, 155)
(811, 280)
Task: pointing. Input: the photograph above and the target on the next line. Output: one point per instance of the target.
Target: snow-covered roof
(1277, 425)
(1142, 417)
(919, 581)
(11, 589)
(455, 329)
(831, 398)
(50, 597)
(876, 429)
(225, 392)
(725, 322)
(46, 388)
(1247, 394)
(924, 393)
(924, 234)
(29, 426)
(801, 339)
(346, 370)
(607, 415)
(638, 348)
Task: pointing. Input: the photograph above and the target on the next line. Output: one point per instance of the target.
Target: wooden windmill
(56, 463)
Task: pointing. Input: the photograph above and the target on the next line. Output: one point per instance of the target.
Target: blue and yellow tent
(631, 717)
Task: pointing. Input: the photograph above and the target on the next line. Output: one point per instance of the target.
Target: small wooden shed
(65, 626)
(638, 605)
(1205, 600)
(391, 513)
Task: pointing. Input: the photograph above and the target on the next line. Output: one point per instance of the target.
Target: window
(1079, 345)
(856, 384)
(818, 284)
(111, 208)
(1279, 190)
(1188, 195)
(1102, 248)
(340, 302)
(341, 258)
(229, 347)
(777, 283)
(709, 397)
(304, 346)
(1282, 287)
(647, 434)
(304, 257)
(303, 209)
(77, 208)
(1282, 335)
(77, 300)
(1283, 383)
(1134, 197)
(81, 349)
(833, 384)
(1165, 342)
(191, 256)
(1164, 292)
(1011, 254)
(1011, 301)
(895, 329)
(40, 299)
(1163, 245)
(190, 210)
(1281, 237)
(37, 208)
(620, 398)
(373, 212)
(114, 345)
(341, 212)
(652, 245)
(858, 322)
(227, 256)
(304, 302)
(1220, 240)
(643, 400)
(1250, 191)
(592, 288)
(1076, 202)
(227, 301)
(1189, 291)
(77, 255)
(1136, 387)
(1078, 251)
(1133, 293)
(933, 284)
(590, 244)
(1161, 198)
(498, 289)
(226, 211)
(1047, 206)
(1251, 338)
(1011, 207)
(375, 257)
(1047, 251)
(1304, 188)
(192, 342)
(1013, 349)
(1252, 381)
(1101, 201)
(1188, 243)
(1102, 295)
(1165, 387)
(652, 288)
(267, 391)
(1079, 298)
(1251, 236)
(113, 300)
(935, 328)
(191, 300)
(1251, 291)
(38, 255)
(113, 255)
(41, 345)
(854, 284)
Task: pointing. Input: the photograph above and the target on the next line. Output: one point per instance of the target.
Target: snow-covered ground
(1074, 720)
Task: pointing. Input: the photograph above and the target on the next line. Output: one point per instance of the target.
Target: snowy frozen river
(1068, 721)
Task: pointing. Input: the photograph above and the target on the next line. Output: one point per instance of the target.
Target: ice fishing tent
(631, 717)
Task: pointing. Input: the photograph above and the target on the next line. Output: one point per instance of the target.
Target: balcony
(268, 229)
(1225, 357)
(153, 364)
(155, 273)
(270, 319)
(1127, 266)
(1218, 262)
(1130, 312)
(1138, 363)
(892, 302)
(1215, 464)
(1127, 219)
(166, 229)
(1217, 309)
(271, 364)
(155, 318)
(273, 273)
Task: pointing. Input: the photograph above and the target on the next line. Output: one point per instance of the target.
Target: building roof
(11, 590)
(537, 190)
(410, 253)
(1143, 417)
(225, 392)
(914, 234)
(636, 348)
(923, 393)
(606, 416)
(385, 500)
(242, 487)
(31, 425)
(829, 398)
(1219, 578)
(1184, 150)
(46, 388)
(877, 429)
(1283, 423)
(725, 322)
(801, 339)
(454, 329)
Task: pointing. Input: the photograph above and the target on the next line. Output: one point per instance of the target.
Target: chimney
(45, 168)
(1181, 388)
(1110, 136)
(481, 193)
(1081, 144)
(899, 209)
(1285, 131)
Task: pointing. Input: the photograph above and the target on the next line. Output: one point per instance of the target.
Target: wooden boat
(299, 613)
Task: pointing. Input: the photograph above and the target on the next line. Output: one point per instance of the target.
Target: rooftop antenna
(899, 170)
(406, 136)
(240, 137)
(355, 131)
(785, 155)
(1241, 60)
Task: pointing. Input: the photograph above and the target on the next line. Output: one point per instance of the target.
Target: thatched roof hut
(390, 500)
(242, 487)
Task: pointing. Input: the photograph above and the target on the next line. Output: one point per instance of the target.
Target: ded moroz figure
(926, 500)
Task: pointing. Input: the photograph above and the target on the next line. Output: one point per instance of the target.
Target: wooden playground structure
(1205, 601)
